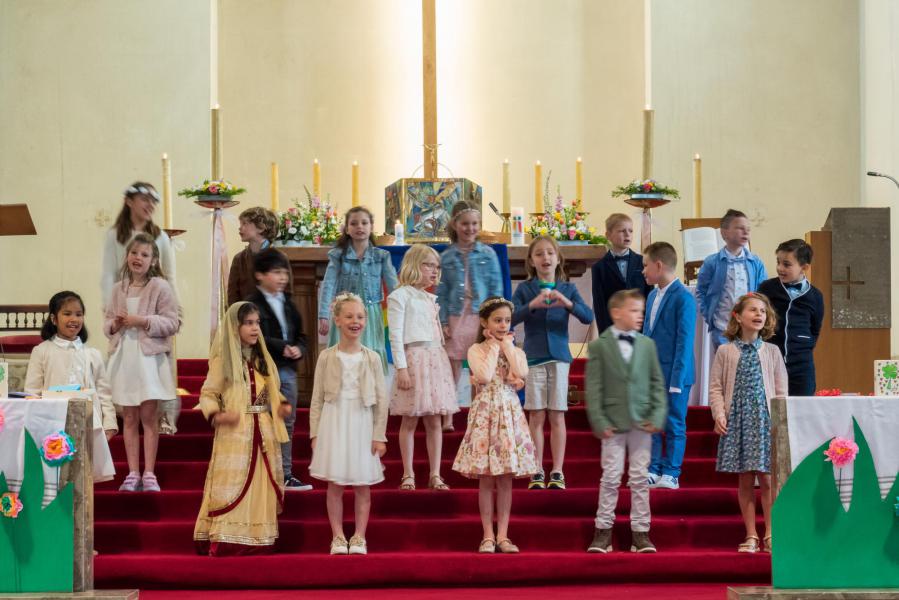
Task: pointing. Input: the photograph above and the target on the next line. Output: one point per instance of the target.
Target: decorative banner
(886, 377)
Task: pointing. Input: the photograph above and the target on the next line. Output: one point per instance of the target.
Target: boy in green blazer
(626, 404)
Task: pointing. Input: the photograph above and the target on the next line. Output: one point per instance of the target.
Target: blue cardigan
(710, 281)
(673, 333)
(546, 330)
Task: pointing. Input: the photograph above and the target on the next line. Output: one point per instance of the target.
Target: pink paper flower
(841, 452)
(10, 505)
(2, 420)
(57, 448)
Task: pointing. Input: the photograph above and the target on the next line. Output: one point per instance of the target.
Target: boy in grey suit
(626, 404)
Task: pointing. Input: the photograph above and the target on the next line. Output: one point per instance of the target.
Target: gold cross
(848, 283)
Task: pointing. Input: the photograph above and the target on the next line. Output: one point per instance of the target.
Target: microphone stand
(884, 175)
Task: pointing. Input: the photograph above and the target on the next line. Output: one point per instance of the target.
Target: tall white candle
(355, 195)
(167, 191)
(697, 186)
(275, 183)
(507, 191)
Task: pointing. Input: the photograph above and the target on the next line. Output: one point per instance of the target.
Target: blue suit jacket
(546, 330)
(710, 281)
(607, 280)
(673, 333)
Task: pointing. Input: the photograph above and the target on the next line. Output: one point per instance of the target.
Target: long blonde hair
(529, 264)
(410, 270)
(155, 269)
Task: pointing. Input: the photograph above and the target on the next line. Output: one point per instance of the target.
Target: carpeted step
(380, 568)
(112, 505)
(457, 534)
(579, 472)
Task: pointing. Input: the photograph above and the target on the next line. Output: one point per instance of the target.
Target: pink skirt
(433, 391)
(464, 331)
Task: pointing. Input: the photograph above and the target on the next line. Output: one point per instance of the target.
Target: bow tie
(626, 338)
(621, 257)
(793, 286)
(732, 259)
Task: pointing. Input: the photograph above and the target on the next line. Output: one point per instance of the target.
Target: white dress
(136, 377)
(343, 444)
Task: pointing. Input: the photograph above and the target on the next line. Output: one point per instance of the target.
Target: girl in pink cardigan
(141, 318)
(746, 374)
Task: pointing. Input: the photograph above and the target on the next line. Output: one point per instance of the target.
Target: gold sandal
(506, 546)
(488, 546)
(407, 483)
(749, 545)
(437, 483)
(766, 547)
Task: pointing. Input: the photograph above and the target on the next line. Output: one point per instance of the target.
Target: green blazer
(623, 394)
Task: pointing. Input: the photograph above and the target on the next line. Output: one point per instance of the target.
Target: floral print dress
(497, 440)
(747, 444)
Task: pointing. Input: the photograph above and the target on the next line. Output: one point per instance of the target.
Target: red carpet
(426, 538)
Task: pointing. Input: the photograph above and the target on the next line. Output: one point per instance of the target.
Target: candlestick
(648, 116)
(697, 186)
(316, 179)
(355, 183)
(507, 190)
(167, 190)
(399, 234)
(579, 183)
(275, 199)
(538, 187)
(216, 166)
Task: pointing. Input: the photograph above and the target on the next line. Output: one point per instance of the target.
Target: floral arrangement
(563, 221)
(829, 392)
(645, 186)
(316, 222)
(57, 448)
(213, 188)
(841, 452)
(10, 505)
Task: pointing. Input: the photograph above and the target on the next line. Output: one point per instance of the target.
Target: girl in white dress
(63, 359)
(141, 318)
(348, 422)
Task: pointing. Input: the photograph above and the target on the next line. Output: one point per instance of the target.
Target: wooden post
(780, 446)
(80, 425)
(429, 82)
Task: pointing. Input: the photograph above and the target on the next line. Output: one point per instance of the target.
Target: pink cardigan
(724, 372)
(157, 302)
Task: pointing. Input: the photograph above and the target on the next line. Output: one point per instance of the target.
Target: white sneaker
(358, 545)
(338, 545)
(667, 482)
(652, 479)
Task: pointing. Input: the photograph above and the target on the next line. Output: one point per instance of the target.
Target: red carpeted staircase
(424, 537)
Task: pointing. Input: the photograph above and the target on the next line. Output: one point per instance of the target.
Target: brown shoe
(602, 541)
(641, 543)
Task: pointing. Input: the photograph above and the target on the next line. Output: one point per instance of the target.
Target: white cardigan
(114, 258)
(412, 316)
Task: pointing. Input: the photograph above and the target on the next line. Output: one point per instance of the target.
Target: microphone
(884, 175)
(493, 208)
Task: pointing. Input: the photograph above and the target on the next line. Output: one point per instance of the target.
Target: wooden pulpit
(16, 220)
(851, 267)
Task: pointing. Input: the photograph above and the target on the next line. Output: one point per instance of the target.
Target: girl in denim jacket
(469, 274)
(355, 265)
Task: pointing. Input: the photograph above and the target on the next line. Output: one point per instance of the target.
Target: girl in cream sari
(244, 485)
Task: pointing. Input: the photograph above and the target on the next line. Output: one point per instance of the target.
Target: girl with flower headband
(64, 359)
(244, 491)
(470, 274)
(136, 216)
(746, 374)
(497, 445)
(348, 421)
(355, 265)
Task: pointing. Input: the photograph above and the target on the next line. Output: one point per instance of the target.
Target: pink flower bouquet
(841, 452)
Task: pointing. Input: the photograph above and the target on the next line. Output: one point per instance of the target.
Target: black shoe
(537, 482)
(641, 542)
(602, 541)
(292, 484)
(556, 481)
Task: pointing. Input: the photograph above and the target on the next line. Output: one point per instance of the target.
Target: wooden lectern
(16, 220)
(851, 267)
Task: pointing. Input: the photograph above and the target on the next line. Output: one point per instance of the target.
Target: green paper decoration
(36, 549)
(818, 544)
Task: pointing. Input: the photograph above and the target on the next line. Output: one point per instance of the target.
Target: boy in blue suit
(727, 275)
(671, 323)
(620, 268)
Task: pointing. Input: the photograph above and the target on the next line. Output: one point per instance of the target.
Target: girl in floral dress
(497, 445)
(746, 374)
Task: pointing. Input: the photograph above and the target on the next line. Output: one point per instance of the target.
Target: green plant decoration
(818, 544)
(36, 547)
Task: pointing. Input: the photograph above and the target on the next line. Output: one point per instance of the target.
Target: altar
(308, 265)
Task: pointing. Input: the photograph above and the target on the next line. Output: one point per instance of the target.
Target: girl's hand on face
(378, 449)
(323, 326)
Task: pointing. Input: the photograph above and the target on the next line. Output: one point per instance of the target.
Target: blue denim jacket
(546, 330)
(346, 273)
(485, 279)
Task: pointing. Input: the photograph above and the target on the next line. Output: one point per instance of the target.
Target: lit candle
(538, 188)
(507, 190)
(216, 143)
(167, 190)
(697, 186)
(399, 234)
(648, 114)
(275, 200)
(579, 183)
(316, 179)
(355, 183)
